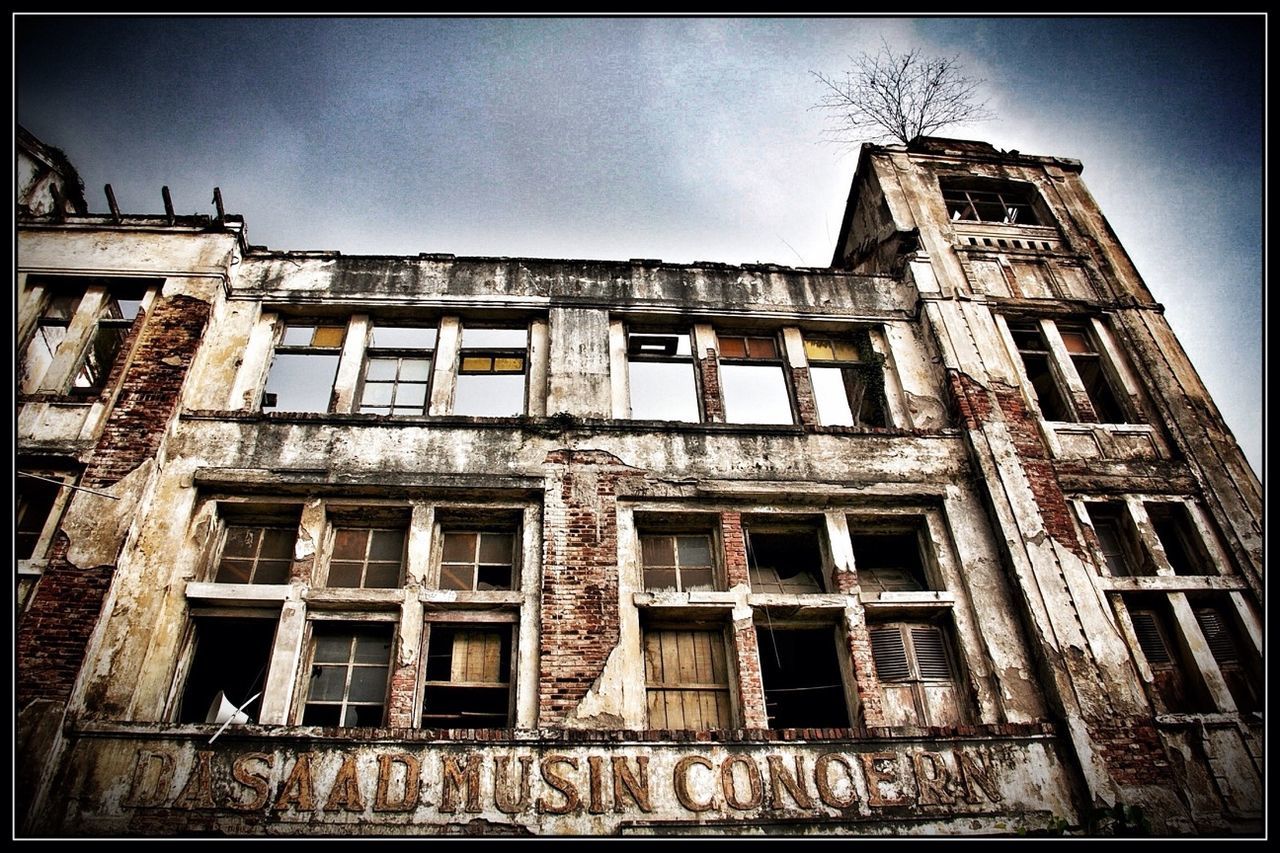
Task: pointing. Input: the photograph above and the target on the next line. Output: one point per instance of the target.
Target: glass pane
(762, 348)
(495, 338)
(381, 368)
(490, 396)
(694, 551)
(411, 396)
(663, 391)
(234, 571)
(477, 364)
(509, 365)
(368, 684)
(658, 550)
(755, 394)
(327, 683)
(494, 577)
(377, 394)
(272, 571)
(349, 544)
(1076, 342)
(373, 648)
(241, 542)
(495, 548)
(733, 348)
(345, 574)
(459, 547)
(332, 647)
(699, 578)
(830, 395)
(415, 369)
(387, 545)
(278, 543)
(818, 350)
(453, 576)
(404, 337)
(659, 578)
(328, 336)
(382, 576)
(302, 383)
(846, 351)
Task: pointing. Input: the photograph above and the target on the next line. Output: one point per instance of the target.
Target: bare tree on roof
(898, 96)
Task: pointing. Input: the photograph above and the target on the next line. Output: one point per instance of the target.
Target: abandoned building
(946, 538)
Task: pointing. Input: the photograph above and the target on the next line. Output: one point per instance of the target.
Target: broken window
(1181, 541)
(661, 377)
(1038, 363)
(491, 372)
(39, 496)
(256, 554)
(686, 677)
(230, 661)
(367, 558)
(784, 561)
(79, 334)
(468, 677)
(1088, 364)
(803, 687)
(682, 562)
(1164, 653)
(753, 381)
(397, 370)
(917, 676)
(304, 367)
(848, 383)
(477, 560)
(888, 561)
(1115, 536)
(981, 200)
(348, 669)
(1237, 665)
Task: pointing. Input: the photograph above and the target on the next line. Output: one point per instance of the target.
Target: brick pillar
(712, 400)
(746, 648)
(857, 640)
(735, 550)
(53, 633)
(806, 405)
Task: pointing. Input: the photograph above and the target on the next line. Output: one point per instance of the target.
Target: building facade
(946, 538)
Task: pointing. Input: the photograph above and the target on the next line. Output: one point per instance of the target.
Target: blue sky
(682, 139)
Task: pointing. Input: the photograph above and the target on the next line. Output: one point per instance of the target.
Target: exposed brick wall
(54, 631)
(735, 550)
(1134, 753)
(806, 406)
(712, 399)
(858, 640)
(579, 616)
(750, 682)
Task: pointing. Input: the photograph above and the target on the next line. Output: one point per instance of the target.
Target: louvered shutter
(931, 654)
(1218, 635)
(1149, 637)
(890, 654)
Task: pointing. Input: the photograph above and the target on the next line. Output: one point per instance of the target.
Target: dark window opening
(121, 309)
(476, 560)
(230, 661)
(1181, 544)
(848, 383)
(468, 677)
(802, 682)
(256, 554)
(976, 200)
(348, 683)
(35, 500)
(784, 561)
(1088, 364)
(888, 562)
(1115, 537)
(1035, 360)
(1159, 646)
(1223, 639)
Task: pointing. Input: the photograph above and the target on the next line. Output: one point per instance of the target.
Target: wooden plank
(674, 709)
(688, 666)
(657, 710)
(492, 669)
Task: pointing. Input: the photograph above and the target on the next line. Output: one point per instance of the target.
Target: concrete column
(418, 549)
(443, 366)
(347, 381)
(286, 656)
(619, 378)
(706, 354)
(844, 575)
(246, 391)
(67, 360)
(1196, 653)
(539, 366)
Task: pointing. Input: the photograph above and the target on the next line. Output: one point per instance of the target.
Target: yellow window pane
(477, 364)
(508, 365)
(818, 350)
(327, 336)
(846, 351)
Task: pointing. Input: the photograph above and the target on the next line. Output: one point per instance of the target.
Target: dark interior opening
(801, 674)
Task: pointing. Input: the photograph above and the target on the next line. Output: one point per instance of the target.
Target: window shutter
(1149, 638)
(890, 654)
(931, 654)
(1218, 635)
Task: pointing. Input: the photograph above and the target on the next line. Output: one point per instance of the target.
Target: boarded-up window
(366, 558)
(348, 681)
(888, 561)
(477, 560)
(256, 554)
(916, 674)
(687, 679)
(803, 687)
(677, 561)
(784, 561)
(468, 677)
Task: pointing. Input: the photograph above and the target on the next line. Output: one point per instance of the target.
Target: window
(40, 496)
(800, 669)
(848, 384)
(256, 554)
(347, 685)
(979, 200)
(917, 677)
(1182, 544)
(477, 560)
(686, 678)
(752, 381)
(1239, 668)
(1075, 386)
(491, 372)
(784, 561)
(681, 562)
(79, 334)
(468, 676)
(230, 662)
(367, 558)
(1161, 648)
(888, 561)
(397, 370)
(1115, 536)
(663, 386)
(305, 364)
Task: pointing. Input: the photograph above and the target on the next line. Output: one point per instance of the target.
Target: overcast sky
(681, 139)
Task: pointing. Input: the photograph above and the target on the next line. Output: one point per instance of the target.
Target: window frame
(1008, 194)
(346, 621)
(1071, 392)
(867, 365)
(719, 634)
(635, 354)
(708, 531)
(747, 359)
(506, 624)
(371, 353)
(905, 629)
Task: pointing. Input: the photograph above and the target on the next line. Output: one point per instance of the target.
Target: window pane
(495, 338)
(830, 395)
(272, 571)
(332, 647)
(415, 370)
(732, 347)
(495, 548)
(762, 348)
(302, 383)
(377, 394)
(818, 350)
(658, 550)
(404, 337)
(453, 576)
(373, 647)
(381, 369)
(349, 544)
(382, 576)
(694, 551)
(387, 545)
(459, 547)
(490, 396)
(663, 391)
(234, 571)
(696, 578)
(278, 543)
(344, 574)
(755, 394)
(298, 336)
(477, 364)
(509, 365)
(327, 683)
(368, 684)
(328, 336)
